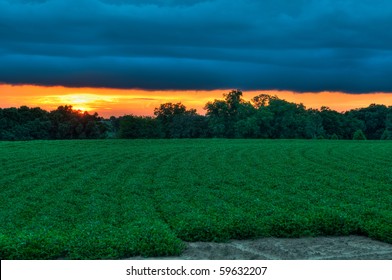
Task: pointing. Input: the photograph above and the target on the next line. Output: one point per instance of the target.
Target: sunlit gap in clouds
(117, 102)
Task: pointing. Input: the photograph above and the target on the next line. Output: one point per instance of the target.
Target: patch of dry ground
(309, 248)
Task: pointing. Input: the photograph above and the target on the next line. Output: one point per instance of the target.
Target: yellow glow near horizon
(79, 101)
(117, 102)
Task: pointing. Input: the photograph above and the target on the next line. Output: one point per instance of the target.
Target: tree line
(26, 123)
(265, 116)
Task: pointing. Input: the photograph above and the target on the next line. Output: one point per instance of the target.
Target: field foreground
(305, 248)
(114, 199)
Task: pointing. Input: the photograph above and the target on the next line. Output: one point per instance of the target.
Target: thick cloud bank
(301, 45)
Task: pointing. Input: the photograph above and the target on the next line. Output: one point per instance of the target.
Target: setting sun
(80, 101)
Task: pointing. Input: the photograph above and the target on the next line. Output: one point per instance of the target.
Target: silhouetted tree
(374, 118)
(387, 134)
(334, 137)
(74, 124)
(263, 100)
(139, 127)
(288, 119)
(313, 125)
(223, 115)
(359, 135)
(24, 123)
(178, 122)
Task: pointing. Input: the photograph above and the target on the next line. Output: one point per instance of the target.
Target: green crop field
(111, 199)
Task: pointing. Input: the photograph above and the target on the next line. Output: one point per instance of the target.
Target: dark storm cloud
(304, 45)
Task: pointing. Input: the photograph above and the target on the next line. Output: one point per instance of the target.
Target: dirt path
(322, 248)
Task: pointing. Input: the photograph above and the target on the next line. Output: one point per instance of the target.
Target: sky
(129, 55)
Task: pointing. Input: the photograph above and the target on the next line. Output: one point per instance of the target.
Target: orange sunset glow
(117, 102)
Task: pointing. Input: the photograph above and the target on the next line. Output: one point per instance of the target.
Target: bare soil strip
(309, 248)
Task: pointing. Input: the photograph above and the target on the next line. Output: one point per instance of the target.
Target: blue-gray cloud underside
(306, 45)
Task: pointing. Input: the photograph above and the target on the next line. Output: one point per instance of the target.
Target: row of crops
(110, 199)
